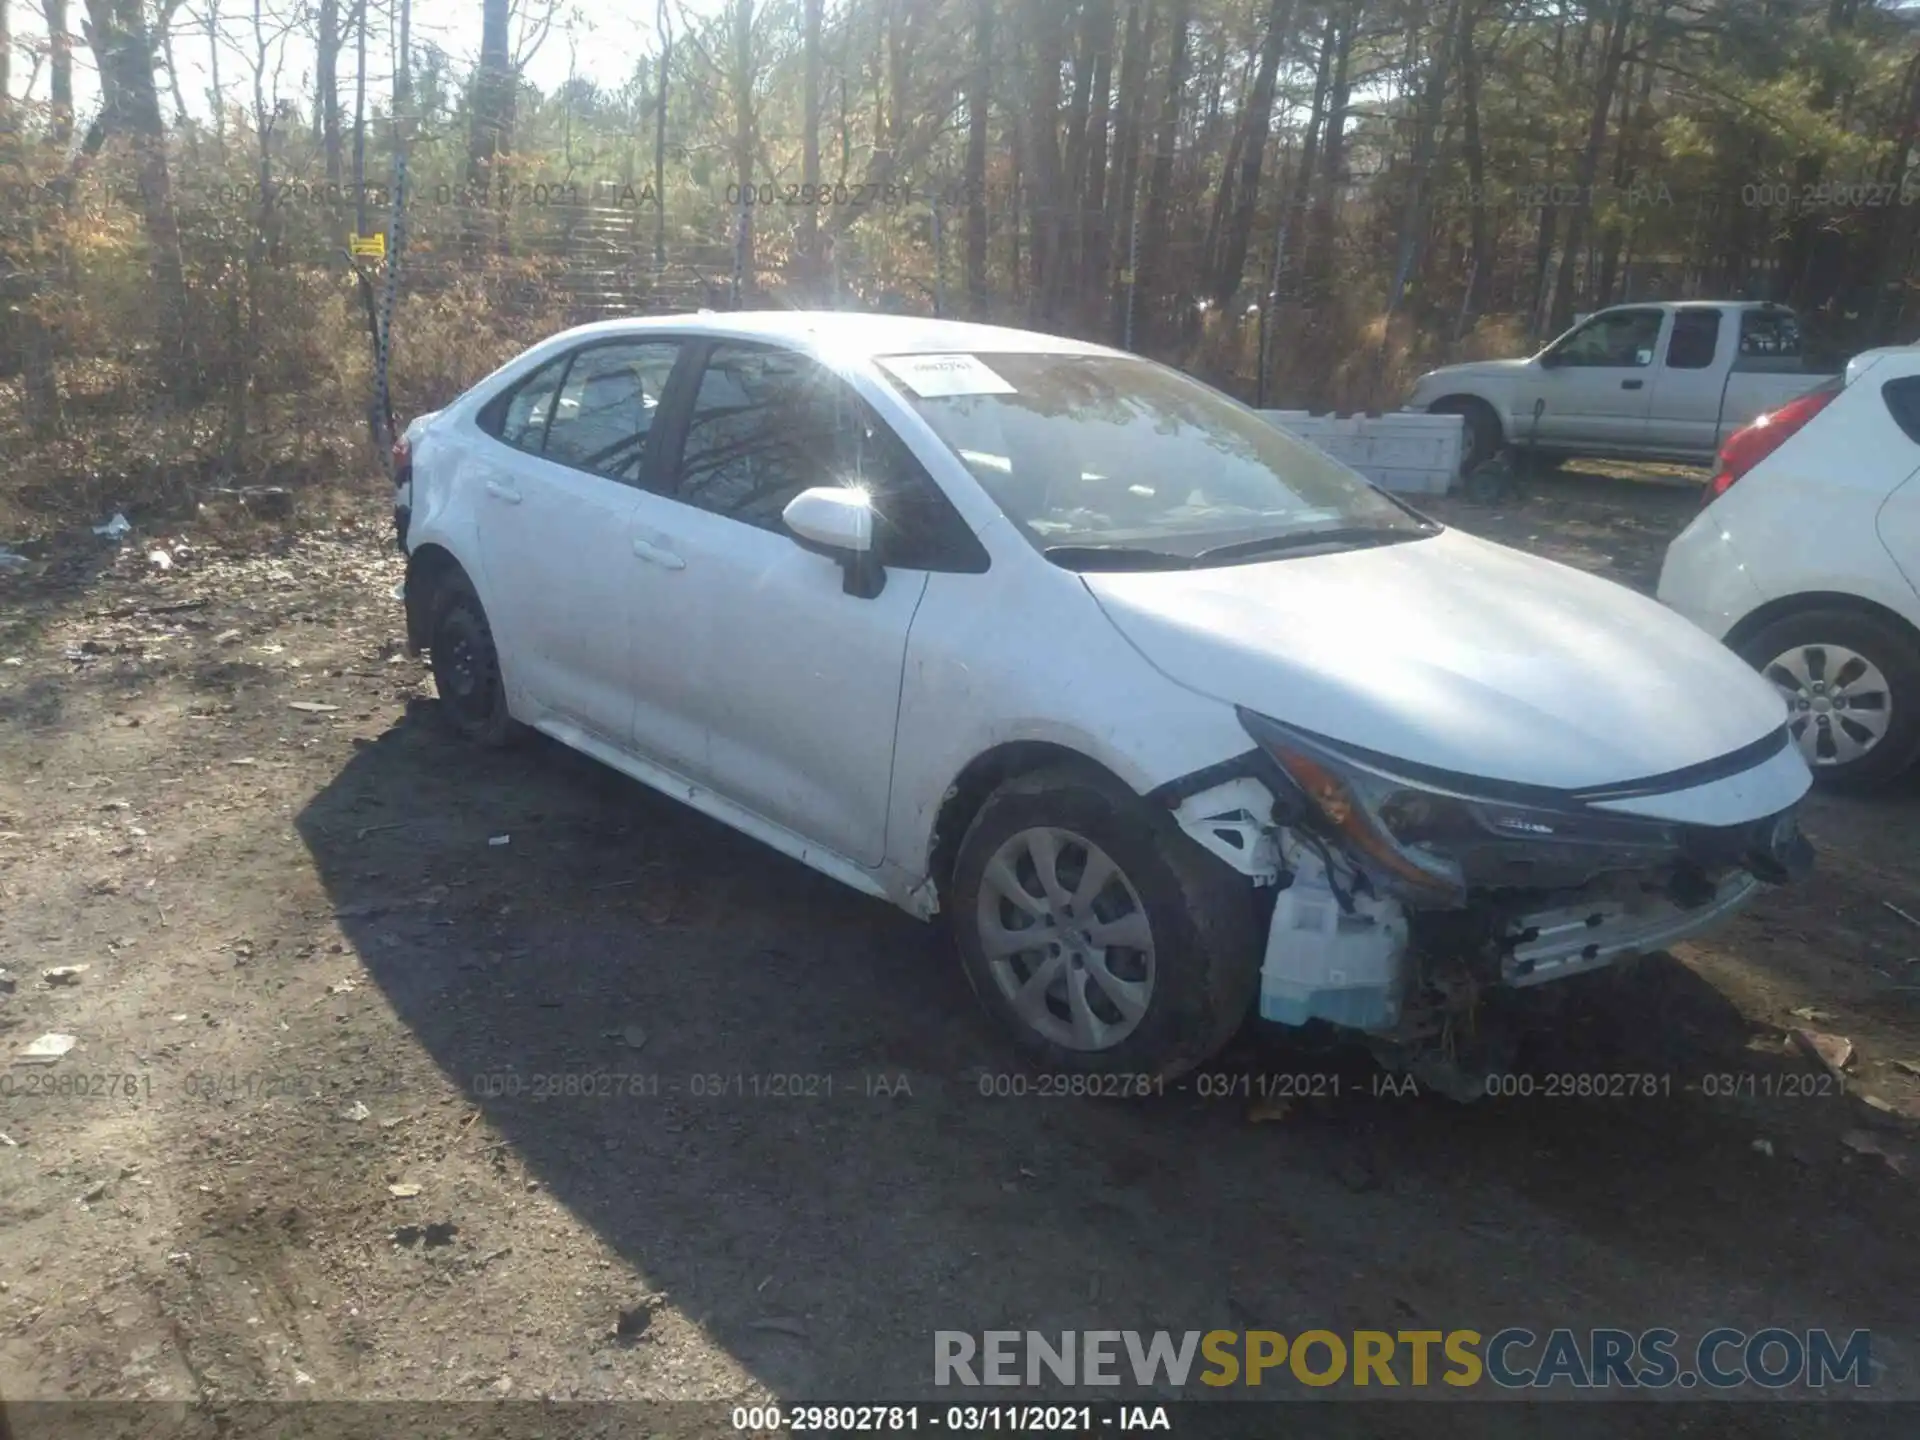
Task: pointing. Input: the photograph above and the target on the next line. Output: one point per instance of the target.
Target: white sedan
(1806, 560)
(1174, 717)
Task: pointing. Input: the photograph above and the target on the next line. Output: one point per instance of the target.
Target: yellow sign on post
(373, 247)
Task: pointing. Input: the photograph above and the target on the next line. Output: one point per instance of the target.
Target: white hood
(1453, 652)
(1498, 371)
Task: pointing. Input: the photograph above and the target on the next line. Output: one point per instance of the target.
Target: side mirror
(837, 522)
(1549, 359)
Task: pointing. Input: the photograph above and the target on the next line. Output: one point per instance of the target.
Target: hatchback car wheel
(466, 667)
(1103, 939)
(1852, 686)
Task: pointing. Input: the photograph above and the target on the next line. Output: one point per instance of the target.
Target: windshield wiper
(1114, 557)
(1352, 536)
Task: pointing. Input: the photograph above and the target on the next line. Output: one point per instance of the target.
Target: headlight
(1435, 840)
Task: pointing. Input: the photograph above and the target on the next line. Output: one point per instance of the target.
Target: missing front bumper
(1554, 943)
(1339, 952)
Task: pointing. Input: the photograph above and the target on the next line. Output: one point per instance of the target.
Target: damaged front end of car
(1414, 905)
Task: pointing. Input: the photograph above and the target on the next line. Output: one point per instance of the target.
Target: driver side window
(768, 423)
(1619, 338)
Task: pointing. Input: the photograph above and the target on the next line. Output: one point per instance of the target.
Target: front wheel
(1852, 686)
(1484, 437)
(1103, 939)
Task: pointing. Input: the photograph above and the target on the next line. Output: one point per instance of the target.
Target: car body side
(984, 690)
(1824, 519)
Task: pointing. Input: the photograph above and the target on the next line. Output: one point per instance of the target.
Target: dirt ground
(320, 1135)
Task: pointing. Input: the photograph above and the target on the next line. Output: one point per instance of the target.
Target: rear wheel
(1101, 938)
(466, 667)
(1852, 686)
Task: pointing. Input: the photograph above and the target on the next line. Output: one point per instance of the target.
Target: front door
(1594, 389)
(798, 682)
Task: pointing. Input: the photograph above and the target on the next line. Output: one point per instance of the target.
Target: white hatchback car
(1172, 715)
(1806, 560)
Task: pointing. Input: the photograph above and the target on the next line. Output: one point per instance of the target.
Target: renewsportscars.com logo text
(1510, 1359)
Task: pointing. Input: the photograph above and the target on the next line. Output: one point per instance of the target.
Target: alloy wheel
(1839, 703)
(1066, 938)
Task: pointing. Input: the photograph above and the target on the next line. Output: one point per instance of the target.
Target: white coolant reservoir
(1323, 963)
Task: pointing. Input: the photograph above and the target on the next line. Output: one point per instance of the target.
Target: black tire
(466, 667)
(1484, 439)
(1890, 648)
(1201, 915)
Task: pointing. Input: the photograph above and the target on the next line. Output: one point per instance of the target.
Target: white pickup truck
(1663, 381)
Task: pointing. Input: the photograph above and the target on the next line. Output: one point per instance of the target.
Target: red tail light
(1747, 448)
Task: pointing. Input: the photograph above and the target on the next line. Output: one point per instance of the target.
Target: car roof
(845, 332)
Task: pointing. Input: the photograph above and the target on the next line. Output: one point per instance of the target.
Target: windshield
(1090, 454)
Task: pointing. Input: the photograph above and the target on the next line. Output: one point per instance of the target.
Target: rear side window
(1696, 335)
(519, 417)
(606, 405)
(1770, 335)
(1903, 403)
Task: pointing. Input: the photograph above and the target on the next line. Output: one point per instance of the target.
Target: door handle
(503, 492)
(657, 555)
(1631, 384)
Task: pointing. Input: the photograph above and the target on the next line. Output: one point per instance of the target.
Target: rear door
(561, 488)
(1685, 410)
(799, 682)
(1596, 392)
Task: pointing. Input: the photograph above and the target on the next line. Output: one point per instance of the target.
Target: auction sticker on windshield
(935, 377)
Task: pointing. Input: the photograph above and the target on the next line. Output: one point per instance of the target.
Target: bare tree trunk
(1433, 98)
(60, 50)
(360, 120)
(809, 238)
(182, 121)
(1316, 272)
(1293, 213)
(1804, 230)
(1635, 119)
(743, 129)
(490, 132)
(1480, 241)
(1043, 148)
(1892, 242)
(1611, 59)
(1126, 147)
(130, 105)
(665, 23)
(1091, 238)
(403, 63)
(6, 71)
(1244, 189)
(326, 81)
(1154, 260)
(979, 89)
